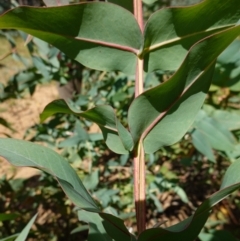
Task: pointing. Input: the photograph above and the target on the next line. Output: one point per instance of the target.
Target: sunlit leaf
(117, 138)
(162, 115)
(219, 137)
(23, 235)
(104, 43)
(105, 227)
(202, 144)
(170, 32)
(96, 229)
(50, 3)
(22, 153)
(217, 235)
(231, 120)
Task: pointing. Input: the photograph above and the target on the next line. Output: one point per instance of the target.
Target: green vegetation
(165, 97)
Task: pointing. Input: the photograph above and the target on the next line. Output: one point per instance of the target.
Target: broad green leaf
(117, 138)
(232, 175)
(104, 36)
(186, 230)
(162, 115)
(96, 228)
(217, 235)
(219, 137)
(202, 144)
(50, 3)
(104, 226)
(91, 181)
(113, 141)
(23, 235)
(231, 120)
(115, 228)
(170, 32)
(234, 155)
(231, 54)
(123, 3)
(189, 229)
(22, 153)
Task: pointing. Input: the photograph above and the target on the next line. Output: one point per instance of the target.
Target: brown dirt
(22, 114)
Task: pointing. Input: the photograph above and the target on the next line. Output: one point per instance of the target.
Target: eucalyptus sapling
(108, 37)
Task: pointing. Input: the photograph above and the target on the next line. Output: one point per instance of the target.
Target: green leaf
(231, 176)
(91, 181)
(115, 228)
(123, 3)
(104, 226)
(23, 235)
(22, 153)
(231, 120)
(80, 135)
(10, 238)
(217, 235)
(56, 2)
(162, 115)
(202, 144)
(219, 137)
(149, 1)
(96, 228)
(231, 54)
(170, 32)
(117, 138)
(188, 229)
(79, 229)
(104, 37)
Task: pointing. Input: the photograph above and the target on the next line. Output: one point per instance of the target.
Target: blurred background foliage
(179, 177)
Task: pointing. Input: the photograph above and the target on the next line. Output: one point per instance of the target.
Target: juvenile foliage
(108, 37)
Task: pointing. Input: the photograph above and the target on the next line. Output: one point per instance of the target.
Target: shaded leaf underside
(170, 32)
(115, 40)
(114, 44)
(162, 115)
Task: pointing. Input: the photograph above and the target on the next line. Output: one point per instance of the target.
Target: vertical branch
(139, 78)
(139, 161)
(138, 13)
(139, 188)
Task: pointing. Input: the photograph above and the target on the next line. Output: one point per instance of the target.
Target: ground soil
(22, 114)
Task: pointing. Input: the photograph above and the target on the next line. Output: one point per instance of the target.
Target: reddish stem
(139, 162)
(139, 188)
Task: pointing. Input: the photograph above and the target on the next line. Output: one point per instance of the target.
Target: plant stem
(139, 78)
(138, 12)
(139, 161)
(139, 188)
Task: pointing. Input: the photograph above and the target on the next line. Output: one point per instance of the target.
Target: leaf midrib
(164, 113)
(43, 168)
(103, 43)
(167, 42)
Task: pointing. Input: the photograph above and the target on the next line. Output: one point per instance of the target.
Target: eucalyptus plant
(111, 36)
